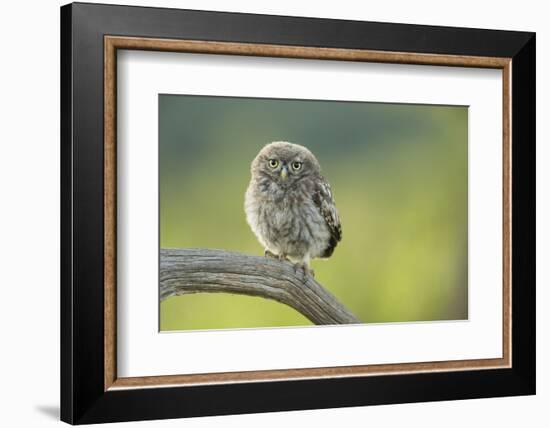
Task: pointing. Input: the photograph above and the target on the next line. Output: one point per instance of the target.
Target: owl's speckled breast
(286, 221)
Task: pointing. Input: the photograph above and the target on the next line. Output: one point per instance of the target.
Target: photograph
(364, 203)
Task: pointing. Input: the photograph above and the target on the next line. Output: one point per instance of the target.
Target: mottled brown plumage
(289, 205)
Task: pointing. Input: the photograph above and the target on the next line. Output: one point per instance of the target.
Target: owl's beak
(284, 172)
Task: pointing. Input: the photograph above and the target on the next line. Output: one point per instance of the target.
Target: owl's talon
(280, 257)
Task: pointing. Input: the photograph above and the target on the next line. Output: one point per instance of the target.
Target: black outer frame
(83, 399)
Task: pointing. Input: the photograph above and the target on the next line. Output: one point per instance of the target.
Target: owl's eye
(273, 163)
(296, 166)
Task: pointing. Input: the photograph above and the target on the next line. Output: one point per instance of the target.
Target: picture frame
(91, 390)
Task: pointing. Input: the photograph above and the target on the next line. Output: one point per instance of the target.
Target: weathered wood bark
(185, 271)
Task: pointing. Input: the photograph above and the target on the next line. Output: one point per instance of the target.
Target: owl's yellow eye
(273, 163)
(296, 166)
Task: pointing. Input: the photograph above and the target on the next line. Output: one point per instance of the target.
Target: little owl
(289, 205)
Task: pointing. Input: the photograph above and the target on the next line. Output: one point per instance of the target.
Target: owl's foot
(280, 257)
(283, 258)
(271, 255)
(304, 267)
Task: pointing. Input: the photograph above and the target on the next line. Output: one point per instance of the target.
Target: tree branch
(185, 271)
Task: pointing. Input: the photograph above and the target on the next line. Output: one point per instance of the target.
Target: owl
(289, 205)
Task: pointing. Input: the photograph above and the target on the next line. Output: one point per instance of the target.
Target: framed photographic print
(264, 213)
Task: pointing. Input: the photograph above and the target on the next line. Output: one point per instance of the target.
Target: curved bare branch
(197, 270)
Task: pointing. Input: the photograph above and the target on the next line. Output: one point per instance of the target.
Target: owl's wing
(324, 200)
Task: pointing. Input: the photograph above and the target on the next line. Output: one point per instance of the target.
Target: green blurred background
(399, 173)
